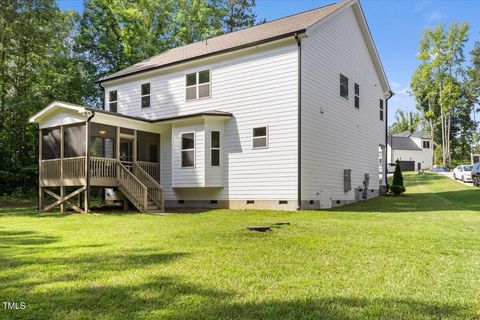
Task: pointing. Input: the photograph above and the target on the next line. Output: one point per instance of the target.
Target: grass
(412, 257)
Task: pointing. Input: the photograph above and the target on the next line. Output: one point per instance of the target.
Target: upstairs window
(188, 149)
(357, 96)
(260, 138)
(112, 100)
(215, 148)
(343, 86)
(381, 109)
(426, 144)
(145, 95)
(197, 85)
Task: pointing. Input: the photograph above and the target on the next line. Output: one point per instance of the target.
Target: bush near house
(397, 187)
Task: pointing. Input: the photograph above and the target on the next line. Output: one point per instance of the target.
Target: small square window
(197, 85)
(191, 79)
(260, 137)
(343, 86)
(204, 76)
(426, 144)
(145, 89)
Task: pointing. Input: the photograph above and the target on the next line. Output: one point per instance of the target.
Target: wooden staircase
(144, 192)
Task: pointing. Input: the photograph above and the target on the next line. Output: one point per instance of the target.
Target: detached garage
(407, 165)
(413, 150)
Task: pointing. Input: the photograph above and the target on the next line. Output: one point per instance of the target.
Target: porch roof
(78, 113)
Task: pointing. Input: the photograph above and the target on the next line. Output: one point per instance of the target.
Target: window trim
(197, 85)
(194, 149)
(219, 149)
(145, 95)
(114, 101)
(340, 87)
(266, 137)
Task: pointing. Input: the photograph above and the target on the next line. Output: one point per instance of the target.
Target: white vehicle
(463, 172)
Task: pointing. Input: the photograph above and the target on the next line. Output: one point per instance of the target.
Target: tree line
(446, 87)
(47, 54)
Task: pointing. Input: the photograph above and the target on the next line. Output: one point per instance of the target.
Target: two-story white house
(288, 114)
(414, 151)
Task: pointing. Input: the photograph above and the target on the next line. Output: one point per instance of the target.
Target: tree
(238, 14)
(406, 121)
(438, 83)
(36, 67)
(397, 183)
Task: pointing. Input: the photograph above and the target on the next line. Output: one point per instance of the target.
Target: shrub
(397, 186)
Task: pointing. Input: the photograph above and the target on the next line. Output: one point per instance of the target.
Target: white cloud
(400, 89)
(434, 16)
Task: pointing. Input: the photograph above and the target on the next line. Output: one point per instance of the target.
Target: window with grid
(145, 95)
(381, 109)
(343, 86)
(188, 149)
(357, 96)
(260, 138)
(215, 148)
(197, 85)
(112, 100)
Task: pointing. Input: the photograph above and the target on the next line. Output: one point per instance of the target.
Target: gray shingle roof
(408, 134)
(266, 32)
(402, 143)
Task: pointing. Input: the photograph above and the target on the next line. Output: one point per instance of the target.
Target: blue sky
(396, 27)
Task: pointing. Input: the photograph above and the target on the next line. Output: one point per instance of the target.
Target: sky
(396, 27)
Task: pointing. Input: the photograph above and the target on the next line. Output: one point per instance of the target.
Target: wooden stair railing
(154, 189)
(132, 188)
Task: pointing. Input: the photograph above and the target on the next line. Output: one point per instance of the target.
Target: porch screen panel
(74, 141)
(148, 146)
(51, 143)
(102, 141)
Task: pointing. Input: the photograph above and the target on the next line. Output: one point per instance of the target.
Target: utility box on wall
(347, 180)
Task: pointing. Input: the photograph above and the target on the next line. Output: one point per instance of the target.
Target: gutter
(385, 164)
(299, 115)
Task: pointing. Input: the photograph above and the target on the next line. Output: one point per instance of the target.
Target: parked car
(476, 174)
(463, 172)
(440, 169)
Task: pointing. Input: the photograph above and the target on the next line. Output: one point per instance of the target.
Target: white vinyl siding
(254, 85)
(335, 137)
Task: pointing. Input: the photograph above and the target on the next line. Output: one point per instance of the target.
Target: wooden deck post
(40, 189)
(134, 147)
(87, 168)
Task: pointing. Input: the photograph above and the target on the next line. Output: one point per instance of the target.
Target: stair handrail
(154, 189)
(140, 198)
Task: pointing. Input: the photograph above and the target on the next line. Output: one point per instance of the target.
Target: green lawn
(413, 257)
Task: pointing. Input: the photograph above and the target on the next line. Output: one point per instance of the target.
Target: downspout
(299, 124)
(87, 128)
(386, 138)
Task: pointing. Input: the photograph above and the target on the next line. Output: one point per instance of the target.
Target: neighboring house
(413, 150)
(283, 115)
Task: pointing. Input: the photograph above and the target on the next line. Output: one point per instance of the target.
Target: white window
(215, 148)
(381, 109)
(343, 86)
(197, 85)
(426, 144)
(357, 96)
(188, 149)
(145, 95)
(112, 101)
(260, 138)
